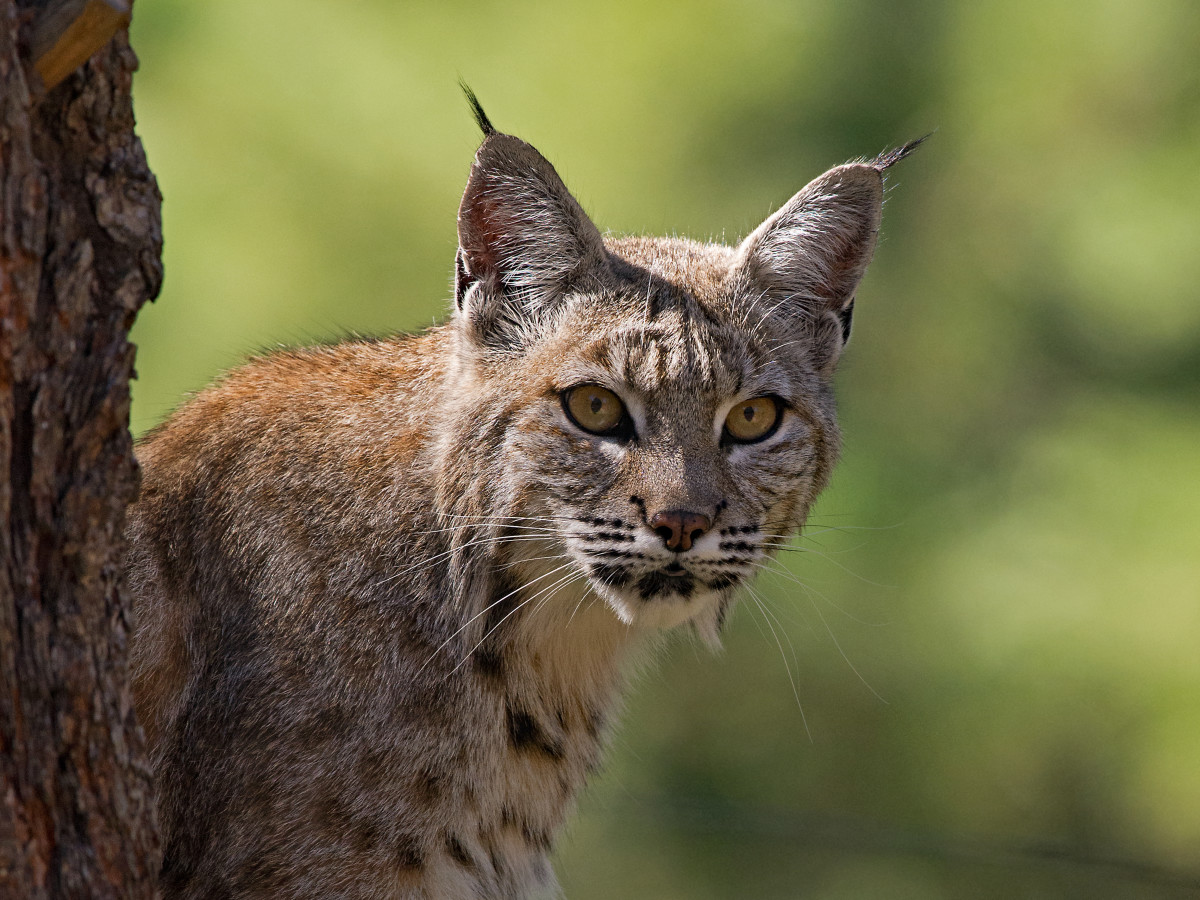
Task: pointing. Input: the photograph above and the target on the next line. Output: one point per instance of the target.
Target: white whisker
(484, 611)
(809, 591)
(562, 581)
(787, 668)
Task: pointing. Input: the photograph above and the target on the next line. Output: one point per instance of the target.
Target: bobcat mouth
(672, 580)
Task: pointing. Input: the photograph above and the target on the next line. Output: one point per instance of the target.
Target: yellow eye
(594, 408)
(752, 420)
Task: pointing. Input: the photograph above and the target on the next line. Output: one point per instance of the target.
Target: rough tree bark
(80, 243)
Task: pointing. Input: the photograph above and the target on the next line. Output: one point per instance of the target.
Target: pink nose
(679, 528)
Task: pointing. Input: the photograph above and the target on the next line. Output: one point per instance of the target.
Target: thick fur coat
(387, 592)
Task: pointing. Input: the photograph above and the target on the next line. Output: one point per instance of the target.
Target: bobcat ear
(523, 241)
(806, 260)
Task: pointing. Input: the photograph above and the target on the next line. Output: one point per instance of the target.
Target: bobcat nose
(679, 528)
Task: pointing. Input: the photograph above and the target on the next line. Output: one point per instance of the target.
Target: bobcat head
(657, 413)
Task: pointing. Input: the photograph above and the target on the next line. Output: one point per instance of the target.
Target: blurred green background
(994, 629)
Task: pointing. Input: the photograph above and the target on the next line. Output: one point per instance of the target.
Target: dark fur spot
(656, 584)
(332, 814)
(488, 839)
(408, 853)
(611, 554)
(609, 536)
(503, 600)
(536, 837)
(470, 797)
(591, 765)
(489, 662)
(742, 529)
(526, 734)
(364, 836)
(458, 852)
(497, 862)
(741, 546)
(428, 785)
(500, 612)
(593, 721)
(722, 581)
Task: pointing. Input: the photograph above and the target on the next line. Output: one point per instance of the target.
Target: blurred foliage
(993, 627)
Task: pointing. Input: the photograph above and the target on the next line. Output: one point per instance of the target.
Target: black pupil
(597, 405)
(748, 411)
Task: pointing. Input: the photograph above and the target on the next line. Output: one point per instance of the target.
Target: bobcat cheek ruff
(387, 592)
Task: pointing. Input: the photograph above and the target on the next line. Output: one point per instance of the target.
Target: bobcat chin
(386, 592)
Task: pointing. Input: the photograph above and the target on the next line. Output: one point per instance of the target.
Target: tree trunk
(80, 243)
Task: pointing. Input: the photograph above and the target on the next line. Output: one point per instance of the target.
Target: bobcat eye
(594, 409)
(752, 420)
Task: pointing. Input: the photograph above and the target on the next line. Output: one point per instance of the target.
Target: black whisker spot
(607, 553)
(616, 576)
(615, 537)
(742, 546)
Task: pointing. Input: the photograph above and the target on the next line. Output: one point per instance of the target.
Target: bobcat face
(673, 450)
(676, 419)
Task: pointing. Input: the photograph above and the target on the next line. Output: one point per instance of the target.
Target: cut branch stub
(67, 33)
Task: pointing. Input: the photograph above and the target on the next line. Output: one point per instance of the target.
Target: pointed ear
(523, 241)
(806, 260)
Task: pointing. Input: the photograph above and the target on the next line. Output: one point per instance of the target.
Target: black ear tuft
(481, 119)
(889, 158)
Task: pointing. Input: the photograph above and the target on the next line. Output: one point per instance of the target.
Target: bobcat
(388, 591)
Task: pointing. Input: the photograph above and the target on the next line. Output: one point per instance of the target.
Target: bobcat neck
(548, 677)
